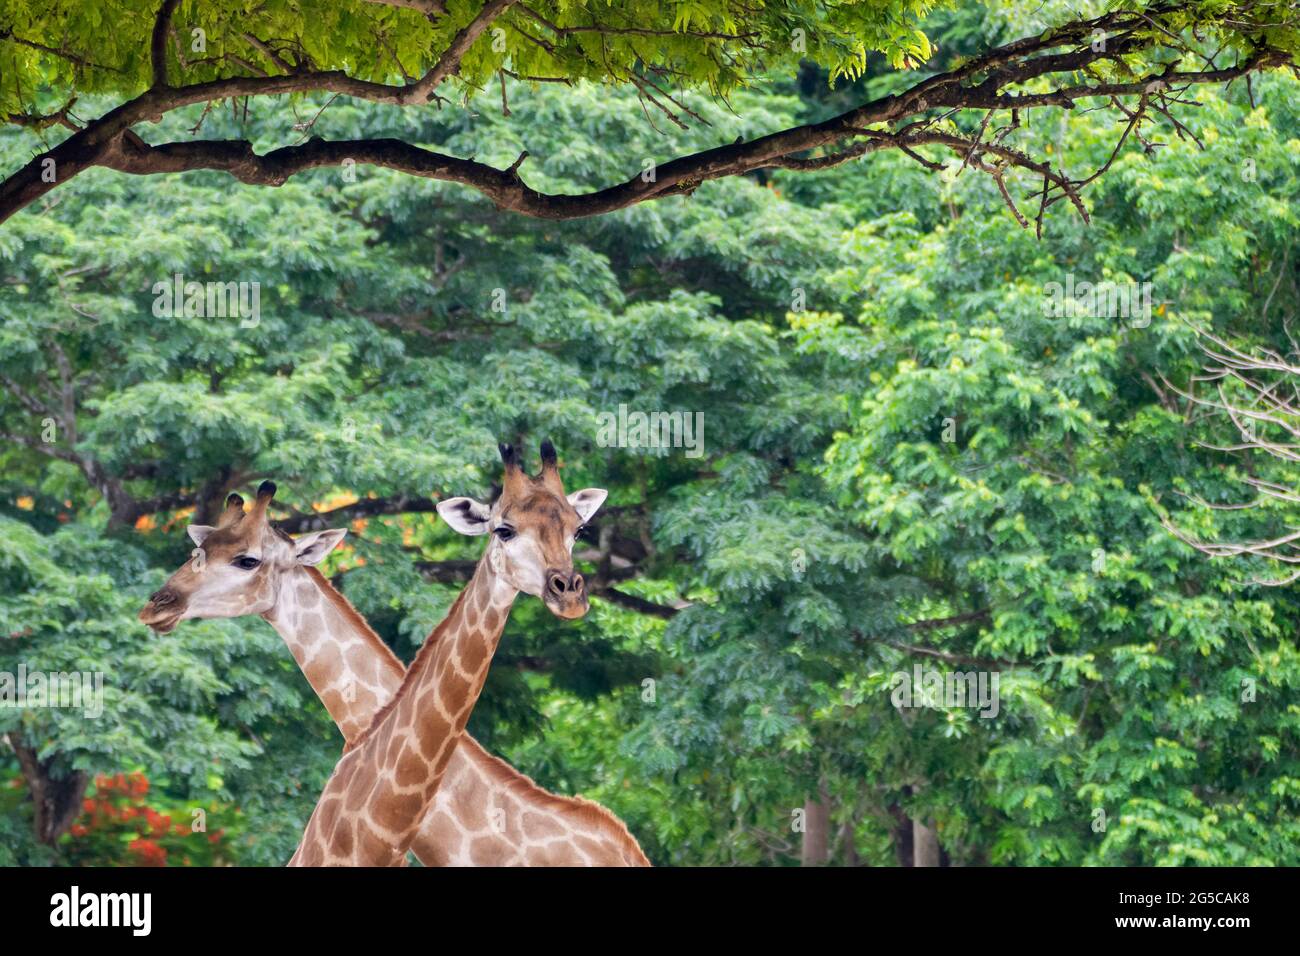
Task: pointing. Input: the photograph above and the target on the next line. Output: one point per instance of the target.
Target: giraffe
(372, 806)
(354, 673)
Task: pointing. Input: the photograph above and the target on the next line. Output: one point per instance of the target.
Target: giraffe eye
(246, 562)
(505, 532)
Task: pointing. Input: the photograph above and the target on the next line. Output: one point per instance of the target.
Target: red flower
(139, 784)
(88, 805)
(148, 852)
(78, 830)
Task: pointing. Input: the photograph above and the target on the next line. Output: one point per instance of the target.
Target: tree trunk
(210, 500)
(57, 800)
(816, 833)
(902, 835)
(925, 845)
(850, 848)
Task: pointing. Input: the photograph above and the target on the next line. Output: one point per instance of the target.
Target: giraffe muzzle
(566, 593)
(163, 611)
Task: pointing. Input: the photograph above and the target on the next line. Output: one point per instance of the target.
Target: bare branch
(1256, 393)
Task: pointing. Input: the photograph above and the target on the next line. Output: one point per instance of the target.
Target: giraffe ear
(311, 548)
(587, 501)
(465, 515)
(198, 532)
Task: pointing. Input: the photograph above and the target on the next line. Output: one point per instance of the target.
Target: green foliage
(707, 44)
(920, 443)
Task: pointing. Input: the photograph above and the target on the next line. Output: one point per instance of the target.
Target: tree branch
(934, 624)
(981, 83)
(447, 572)
(363, 508)
(638, 604)
(430, 8)
(158, 42)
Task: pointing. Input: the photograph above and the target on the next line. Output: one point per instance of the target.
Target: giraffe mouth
(569, 610)
(159, 621)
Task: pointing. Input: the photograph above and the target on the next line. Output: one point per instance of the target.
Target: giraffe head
(236, 567)
(531, 527)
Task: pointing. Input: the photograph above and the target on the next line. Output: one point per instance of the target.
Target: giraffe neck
(485, 811)
(348, 665)
(443, 683)
(374, 803)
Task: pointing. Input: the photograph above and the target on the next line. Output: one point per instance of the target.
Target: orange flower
(78, 830)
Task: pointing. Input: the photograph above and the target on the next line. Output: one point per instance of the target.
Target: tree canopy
(1138, 60)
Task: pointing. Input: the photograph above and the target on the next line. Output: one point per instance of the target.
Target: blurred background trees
(907, 460)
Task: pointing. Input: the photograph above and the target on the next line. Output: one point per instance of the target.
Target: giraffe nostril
(576, 584)
(556, 584)
(162, 597)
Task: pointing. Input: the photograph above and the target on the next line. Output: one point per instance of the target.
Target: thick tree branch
(363, 508)
(981, 83)
(447, 572)
(50, 450)
(25, 398)
(460, 571)
(638, 604)
(158, 42)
